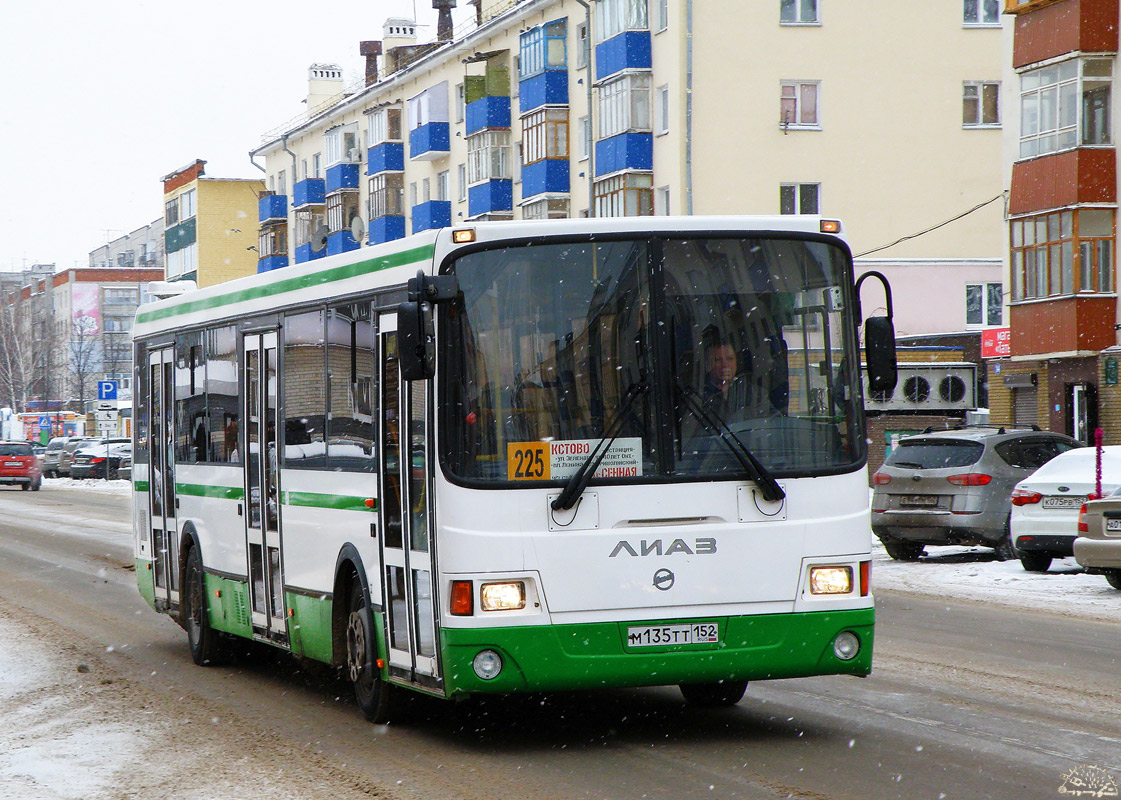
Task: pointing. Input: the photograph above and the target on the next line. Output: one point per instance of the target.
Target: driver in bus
(725, 391)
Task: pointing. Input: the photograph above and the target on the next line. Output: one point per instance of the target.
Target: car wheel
(1005, 550)
(713, 695)
(205, 643)
(38, 484)
(905, 551)
(370, 691)
(1035, 562)
(1113, 578)
(25, 486)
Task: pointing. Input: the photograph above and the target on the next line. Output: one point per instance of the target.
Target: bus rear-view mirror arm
(416, 329)
(879, 341)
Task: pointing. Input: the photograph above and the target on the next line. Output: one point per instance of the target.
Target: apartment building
(142, 247)
(209, 231)
(1058, 366)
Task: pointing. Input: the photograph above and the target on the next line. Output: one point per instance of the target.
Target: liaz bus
(520, 456)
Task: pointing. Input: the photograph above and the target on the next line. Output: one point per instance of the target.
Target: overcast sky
(101, 99)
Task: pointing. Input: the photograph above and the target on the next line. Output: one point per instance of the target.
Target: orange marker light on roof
(830, 226)
(463, 235)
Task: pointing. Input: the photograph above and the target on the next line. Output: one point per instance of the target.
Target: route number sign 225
(527, 461)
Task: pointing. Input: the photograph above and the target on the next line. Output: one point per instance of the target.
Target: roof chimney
(444, 24)
(324, 85)
(371, 50)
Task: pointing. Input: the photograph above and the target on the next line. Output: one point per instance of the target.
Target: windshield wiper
(579, 479)
(768, 486)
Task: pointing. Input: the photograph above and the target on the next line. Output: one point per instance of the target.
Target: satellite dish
(357, 227)
(319, 238)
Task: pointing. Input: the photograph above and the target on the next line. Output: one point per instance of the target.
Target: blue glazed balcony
(547, 175)
(272, 206)
(385, 157)
(387, 229)
(628, 50)
(429, 142)
(308, 192)
(494, 195)
(625, 151)
(305, 253)
(270, 263)
(341, 242)
(341, 176)
(433, 214)
(488, 112)
(548, 88)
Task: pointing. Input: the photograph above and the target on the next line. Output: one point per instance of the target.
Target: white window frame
(431, 105)
(805, 12)
(624, 105)
(799, 197)
(383, 124)
(1051, 104)
(988, 320)
(974, 12)
(793, 102)
(661, 110)
(488, 156)
(547, 208)
(625, 194)
(973, 94)
(461, 181)
(662, 16)
(386, 195)
(584, 126)
(613, 17)
(341, 143)
(545, 133)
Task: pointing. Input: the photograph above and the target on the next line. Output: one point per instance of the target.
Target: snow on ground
(98, 485)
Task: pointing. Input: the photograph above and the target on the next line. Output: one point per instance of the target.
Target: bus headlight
(830, 580)
(846, 646)
(508, 596)
(487, 664)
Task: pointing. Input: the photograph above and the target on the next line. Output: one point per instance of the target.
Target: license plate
(663, 635)
(1113, 524)
(1063, 502)
(12, 464)
(920, 500)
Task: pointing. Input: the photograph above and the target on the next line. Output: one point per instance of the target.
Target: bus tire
(370, 691)
(204, 642)
(713, 695)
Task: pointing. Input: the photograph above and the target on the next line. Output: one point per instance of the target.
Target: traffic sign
(106, 390)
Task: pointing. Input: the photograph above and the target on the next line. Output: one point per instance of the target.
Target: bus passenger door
(161, 476)
(262, 499)
(408, 555)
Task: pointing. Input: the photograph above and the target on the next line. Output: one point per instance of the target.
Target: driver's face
(722, 363)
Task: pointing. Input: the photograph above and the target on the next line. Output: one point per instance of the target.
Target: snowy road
(989, 683)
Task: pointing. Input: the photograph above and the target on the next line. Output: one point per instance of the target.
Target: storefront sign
(996, 343)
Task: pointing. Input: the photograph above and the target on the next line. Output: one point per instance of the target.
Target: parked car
(1098, 544)
(99, 458)
(67, 453)
(1045, 506)
(953, 486)
(124, 469)
(19, 466)
(51, 454)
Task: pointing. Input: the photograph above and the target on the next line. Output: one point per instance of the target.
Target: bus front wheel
(713, 695)
(370, 691)
(205, 642)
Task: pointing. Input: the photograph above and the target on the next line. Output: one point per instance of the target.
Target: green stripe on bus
(140, 486)
(292, 284)
(338, 502)
(219, 492)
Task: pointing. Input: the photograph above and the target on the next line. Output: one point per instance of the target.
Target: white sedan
(1045, 505)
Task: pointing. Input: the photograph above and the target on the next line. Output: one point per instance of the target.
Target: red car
(20, 466)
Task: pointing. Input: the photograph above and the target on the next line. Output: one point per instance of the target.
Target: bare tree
(83, 356)
(15, 358)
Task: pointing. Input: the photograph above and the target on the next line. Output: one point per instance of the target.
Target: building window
(129, 296)
(117, 324)
(798, 12)
(542, 48)
(171, 212)
(799, 104)
(385, 125)
(273, 241)
(548, 208)
(582, 45)
(1062, 253)
(342, 208)
(342, 145)
(488, 156)
(309, 221)
(661, 110)
(799, 198)
(282, 182)
(662, 15)
(585, 126)
(387, 195)
(545, 134)
(460, 102)
(661, 201)
(624, 105)
(187, 204)
(629, 194)
(615, 16)
(317, 165)
(425, 190)
(984, 304)
(443, 192)
(429, 106)
(1054, 100)
(981, 12)
(980, 104)
(461, 181)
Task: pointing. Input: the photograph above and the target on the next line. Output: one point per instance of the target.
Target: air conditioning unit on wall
(928, 388)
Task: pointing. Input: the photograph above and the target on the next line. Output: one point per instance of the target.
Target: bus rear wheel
(370, 691)
(205, 642)
(713, 695)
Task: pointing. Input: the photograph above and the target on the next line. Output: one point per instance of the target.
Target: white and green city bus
(495, 458)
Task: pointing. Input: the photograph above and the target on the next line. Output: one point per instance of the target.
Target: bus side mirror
(879, 342)
(417, 339)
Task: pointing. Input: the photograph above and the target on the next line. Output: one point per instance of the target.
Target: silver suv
(66, 455)
(954, 486)
(51, 454)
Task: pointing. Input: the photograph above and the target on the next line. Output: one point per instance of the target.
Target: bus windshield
(685, 351)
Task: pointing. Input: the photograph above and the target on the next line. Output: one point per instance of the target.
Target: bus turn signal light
(830, 226)
(463, 235)
(462, 604)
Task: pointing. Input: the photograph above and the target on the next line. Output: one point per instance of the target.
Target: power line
(932, 228)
